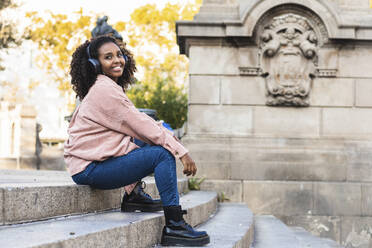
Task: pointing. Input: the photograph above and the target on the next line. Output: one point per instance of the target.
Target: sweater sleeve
(108, 105)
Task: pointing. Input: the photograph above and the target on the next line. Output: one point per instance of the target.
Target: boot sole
(130, 207)
(178, 241)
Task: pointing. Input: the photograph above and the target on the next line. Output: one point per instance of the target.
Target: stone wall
(280, 109)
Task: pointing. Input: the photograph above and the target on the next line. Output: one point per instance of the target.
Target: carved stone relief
(288, 57)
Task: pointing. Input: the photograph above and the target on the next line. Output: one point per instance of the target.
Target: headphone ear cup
(95, 65)
(125, 58)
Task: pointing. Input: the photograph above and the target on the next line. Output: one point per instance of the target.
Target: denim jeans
(117, 172)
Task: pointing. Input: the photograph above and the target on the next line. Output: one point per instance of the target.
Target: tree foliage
(8, 34)
(151, 33)
(57, 38)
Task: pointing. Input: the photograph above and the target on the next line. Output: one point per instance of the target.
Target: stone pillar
(28, 136)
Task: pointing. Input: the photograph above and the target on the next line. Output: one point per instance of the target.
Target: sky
(116, 10)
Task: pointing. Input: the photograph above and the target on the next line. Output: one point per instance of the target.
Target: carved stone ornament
(288, 57)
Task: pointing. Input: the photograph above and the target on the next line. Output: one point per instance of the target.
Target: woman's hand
(189, 167)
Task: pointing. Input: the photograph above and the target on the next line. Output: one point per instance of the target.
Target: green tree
(8, 34)
(151, 33)
(57, 37)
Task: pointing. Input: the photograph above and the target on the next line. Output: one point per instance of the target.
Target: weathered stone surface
(347, 122)
(320, 226)
(332, 92)
(328, 58)
(90, 200)
(220, 119)
(337, 199)
(284, 122)
(363, 92)
(359, 171)
(227, 190)
(278, 198)
(366, 200)
(354, 61)
(356, 232)
(227, 57)
(1, 206)
(108, 229)
(204, 89)
(284, 170)
(243, 90)
(213, 170)
(33, 203)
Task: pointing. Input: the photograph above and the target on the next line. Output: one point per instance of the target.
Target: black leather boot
(138, 200)
(178, 233)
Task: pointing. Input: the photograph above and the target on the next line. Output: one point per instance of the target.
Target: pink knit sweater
(104, 125)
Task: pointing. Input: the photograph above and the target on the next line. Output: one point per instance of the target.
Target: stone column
(28, 136)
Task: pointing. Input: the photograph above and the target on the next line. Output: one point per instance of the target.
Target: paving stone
(308, 240)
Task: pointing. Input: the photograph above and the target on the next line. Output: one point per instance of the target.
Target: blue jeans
(117, 172)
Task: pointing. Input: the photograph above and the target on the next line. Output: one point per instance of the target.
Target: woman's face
(112, 60)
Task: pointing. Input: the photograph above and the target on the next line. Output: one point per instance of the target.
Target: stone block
(248, 56)
(243, 90)
(90, 200)
(354, 61)
(286, 122)
(367, 200)
(359, 171)
(229, 190)
(320, 226)
(233, 120)
(363, 88)
(214, 60)
(213, 170)
(356, 232)
(278, 198)
(337, 199)
(328, 58)
(332, 92)
(33, 203)
(353, 4)
(204, 90)
(347, 122)
(298, 171)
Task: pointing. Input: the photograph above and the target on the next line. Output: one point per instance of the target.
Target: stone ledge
(34, 196)
(109, 229)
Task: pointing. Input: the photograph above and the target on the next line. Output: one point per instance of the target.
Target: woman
(101, 149)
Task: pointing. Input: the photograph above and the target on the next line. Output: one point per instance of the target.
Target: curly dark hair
(82, 74)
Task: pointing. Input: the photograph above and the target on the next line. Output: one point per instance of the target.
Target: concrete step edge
(309, 240)
(30, 201)
(230, 227)
(108, 229)
(271, 232)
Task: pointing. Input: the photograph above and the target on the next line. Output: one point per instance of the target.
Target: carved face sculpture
(288, 51)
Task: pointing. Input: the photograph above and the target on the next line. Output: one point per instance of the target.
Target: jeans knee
(164, 154)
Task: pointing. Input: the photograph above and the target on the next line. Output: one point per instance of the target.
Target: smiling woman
(103, 148)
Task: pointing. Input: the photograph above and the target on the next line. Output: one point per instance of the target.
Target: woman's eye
(108, 57)
(120, 55)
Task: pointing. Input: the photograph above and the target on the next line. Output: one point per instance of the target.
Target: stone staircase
(46, 209)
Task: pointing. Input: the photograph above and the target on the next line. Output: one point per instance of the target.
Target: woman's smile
(111, 60)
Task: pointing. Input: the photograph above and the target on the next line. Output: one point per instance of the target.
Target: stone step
(106, 229)
(231, 226)
(308, 240)
(271, 232)
(35, 195)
